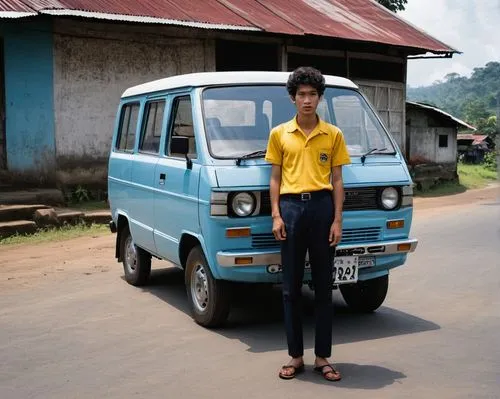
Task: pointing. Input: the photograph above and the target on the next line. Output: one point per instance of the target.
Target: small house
(431, 143)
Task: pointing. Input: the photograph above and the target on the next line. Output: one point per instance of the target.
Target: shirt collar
(293, 126)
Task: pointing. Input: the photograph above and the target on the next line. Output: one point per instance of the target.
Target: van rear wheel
(208, 298)
(365, 296)
(136, 261)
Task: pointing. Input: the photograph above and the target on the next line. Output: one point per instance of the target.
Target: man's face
(306, 100)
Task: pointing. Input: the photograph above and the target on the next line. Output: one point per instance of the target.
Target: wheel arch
(121, 224)
(189, 241)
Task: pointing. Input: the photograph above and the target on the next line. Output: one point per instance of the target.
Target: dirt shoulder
(488, 194)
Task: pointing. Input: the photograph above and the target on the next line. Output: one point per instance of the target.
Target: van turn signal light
(244, 260)
(238, 232)
(404, 247)
(396, 224)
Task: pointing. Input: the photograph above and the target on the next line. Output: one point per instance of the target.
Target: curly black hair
(305, 76)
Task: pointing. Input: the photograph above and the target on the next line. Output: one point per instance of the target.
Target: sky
(469, 26)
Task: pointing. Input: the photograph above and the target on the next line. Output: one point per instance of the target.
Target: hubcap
(199, 288)
(130, 256)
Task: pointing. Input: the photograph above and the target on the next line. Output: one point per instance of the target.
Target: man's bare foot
(321, 365)
(290, 370)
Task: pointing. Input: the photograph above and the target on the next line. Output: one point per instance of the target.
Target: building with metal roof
(67, 62)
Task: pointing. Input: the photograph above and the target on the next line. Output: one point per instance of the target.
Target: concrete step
(97, 217)
(46, 196)
(11, 228)
(70, 217)
(10, 213)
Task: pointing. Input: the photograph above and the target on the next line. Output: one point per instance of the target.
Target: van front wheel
(208, 297)
(365, 296)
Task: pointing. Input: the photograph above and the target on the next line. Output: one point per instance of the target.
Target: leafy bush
(490, 161)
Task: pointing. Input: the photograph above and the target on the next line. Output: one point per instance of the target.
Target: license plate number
(345, 270)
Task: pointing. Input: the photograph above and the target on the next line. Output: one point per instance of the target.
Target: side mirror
(180, 145)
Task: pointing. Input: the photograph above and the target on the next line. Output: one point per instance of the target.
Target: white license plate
(345, 270)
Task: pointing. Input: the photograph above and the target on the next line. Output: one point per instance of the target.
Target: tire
(136, 261)
(209, 299)
(365, 296)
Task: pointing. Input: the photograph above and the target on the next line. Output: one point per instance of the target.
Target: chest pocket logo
(323, 157)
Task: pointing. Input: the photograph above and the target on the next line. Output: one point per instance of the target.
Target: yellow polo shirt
(306, 161)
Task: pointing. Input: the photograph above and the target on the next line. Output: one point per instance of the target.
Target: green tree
(394, 5)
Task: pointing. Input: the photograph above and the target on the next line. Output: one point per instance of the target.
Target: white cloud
(466, 25)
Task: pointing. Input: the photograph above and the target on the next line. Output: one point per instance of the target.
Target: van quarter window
(183, 125)
(128, 127)
(151, 132)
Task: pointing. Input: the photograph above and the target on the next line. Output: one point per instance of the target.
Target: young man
(305, 153)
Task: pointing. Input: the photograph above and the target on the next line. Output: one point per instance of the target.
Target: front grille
(366, 234)
(264, 241)
(349, 236)
(265, 203)
(360, 199)
(356, 199)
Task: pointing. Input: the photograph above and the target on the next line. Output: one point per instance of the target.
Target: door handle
(163, 176)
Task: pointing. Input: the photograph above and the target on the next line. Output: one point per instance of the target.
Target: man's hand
(335, 233)
(279, 230)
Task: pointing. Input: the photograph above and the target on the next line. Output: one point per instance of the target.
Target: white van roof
(223, 78)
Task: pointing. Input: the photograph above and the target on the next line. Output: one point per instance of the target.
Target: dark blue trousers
(307, 224)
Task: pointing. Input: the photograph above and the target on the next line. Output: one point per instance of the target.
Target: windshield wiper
(375, 151)
(255, 154)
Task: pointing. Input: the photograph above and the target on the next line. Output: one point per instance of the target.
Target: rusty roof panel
(258, 15)
(15, 7)
(360, 20)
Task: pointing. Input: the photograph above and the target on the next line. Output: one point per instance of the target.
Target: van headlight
(243, 204)
(389, 198)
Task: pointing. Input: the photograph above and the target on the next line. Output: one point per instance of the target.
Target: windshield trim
(253, 84)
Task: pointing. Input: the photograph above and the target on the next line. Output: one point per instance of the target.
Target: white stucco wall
(93, 65)
(424, 140)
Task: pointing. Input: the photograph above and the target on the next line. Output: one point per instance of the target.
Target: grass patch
(57, 234)
(441, 190)
(470, 177)
(475, 176)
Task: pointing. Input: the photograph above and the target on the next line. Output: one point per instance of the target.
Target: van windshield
(238, 119)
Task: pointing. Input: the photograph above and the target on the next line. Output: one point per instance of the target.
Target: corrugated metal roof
(441, 112)
(360, 20)
(14, 9)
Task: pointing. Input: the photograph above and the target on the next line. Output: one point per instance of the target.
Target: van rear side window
(128, 127)
(151, 134)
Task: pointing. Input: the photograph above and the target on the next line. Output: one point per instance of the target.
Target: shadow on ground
(256, 317)
(357, 376)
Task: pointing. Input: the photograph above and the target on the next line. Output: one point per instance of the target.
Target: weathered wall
(389, 99)
(424, 139)
(94, 64)
(29, 107)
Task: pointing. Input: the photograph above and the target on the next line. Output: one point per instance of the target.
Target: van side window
(183, 125)
(128, 127)
(151, 132)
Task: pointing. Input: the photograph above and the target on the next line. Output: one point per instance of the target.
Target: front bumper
(259, 258)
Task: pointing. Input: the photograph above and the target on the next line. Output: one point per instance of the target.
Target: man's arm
(275, 183)
(338, 200)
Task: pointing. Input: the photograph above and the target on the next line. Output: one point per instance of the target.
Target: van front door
(176, 196)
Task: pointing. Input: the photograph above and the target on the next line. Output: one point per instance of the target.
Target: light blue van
(188, 183)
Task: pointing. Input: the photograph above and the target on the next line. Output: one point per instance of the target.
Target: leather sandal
(326, 370)
(296, 370)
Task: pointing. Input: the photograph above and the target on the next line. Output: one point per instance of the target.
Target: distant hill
(471, 99)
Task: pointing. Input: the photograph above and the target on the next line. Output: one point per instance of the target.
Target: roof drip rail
(445, 55)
